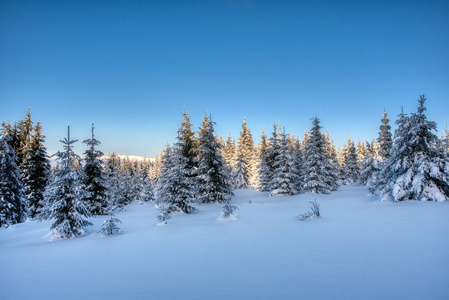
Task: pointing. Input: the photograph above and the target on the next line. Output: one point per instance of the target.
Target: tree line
(202, 168)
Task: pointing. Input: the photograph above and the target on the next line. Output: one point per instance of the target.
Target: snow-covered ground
(361, 248)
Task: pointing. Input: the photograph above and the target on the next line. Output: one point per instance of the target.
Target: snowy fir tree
(417, 169)
(350, 163)
(385, 140)
(214, 180)
(265, 174)
(187, 145)
(25, 129)
(298, 162)
(369, 166)
(321, 176)
(94, 178)
(274, 151)
(64, 195)
(36, 171)
(229, 152)
(164, 214)
(285, 176)
(173, 188)
(145, 184)
(109, 226)
(13, 205)
(245, 147)
(240, 177)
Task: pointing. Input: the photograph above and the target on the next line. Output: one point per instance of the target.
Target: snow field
(360, 248)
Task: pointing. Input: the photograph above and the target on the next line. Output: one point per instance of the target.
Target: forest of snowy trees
(202, 168)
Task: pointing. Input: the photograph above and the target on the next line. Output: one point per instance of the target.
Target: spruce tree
(173, 188)
(285, 175)
(321, 176)
(273, 152)
(240, 173)
(64, 195)
(13, 205)
(36, 171)
(229, 152)
(265, 175)
(94, 178)
(385, 138)
(245, 146)
(369, 165)
(214, 181)
(350, 164)
(417, 168)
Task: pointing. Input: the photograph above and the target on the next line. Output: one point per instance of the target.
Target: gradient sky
(131, 66)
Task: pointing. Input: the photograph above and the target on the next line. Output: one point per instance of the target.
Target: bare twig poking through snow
(314, 213)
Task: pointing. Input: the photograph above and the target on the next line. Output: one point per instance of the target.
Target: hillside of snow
(360, 248)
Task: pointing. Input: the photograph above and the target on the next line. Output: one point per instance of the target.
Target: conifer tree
(173, 188)
(414, 142)
(24, 138)
(417, 168)
(229, 152)
(36, 171)
(145, 184)
(94, 178)
(321, 175)
(240, 173)
(13, 205)
(369, 166)
(214, 181)
(385, 138)
(64, 195)
(245, 146)
(265, 175)
(351, 167)
(273, 152)
(285, 175)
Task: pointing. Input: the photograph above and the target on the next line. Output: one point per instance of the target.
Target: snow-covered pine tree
(417, 169)
(109, 226)
(240, 177)
(285, 175)
(265, 175)
(385, 140)
(322, 174)
(13, 205)
(36, 171)
(369, 165)
(229, 152)
(361, 151)
(214, 180)
(94, 178)
(298, 161)
(173, 188)
(274, 151)
(145, 183)
(187, 145)
(350, 165)
(24, 138)
(64, 195)
(245, 146)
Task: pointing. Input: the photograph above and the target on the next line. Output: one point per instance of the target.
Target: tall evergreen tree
(265, 175)
(63, 196)
(385, 138)
(274, 151)
(36, 171)
(240, 173)
(245, 146)
(13, 205)
(351, 167)
(94, 178)
(214, 181)
(173, 188)
(285, 175)
(321, 175)
(417, 169)
(369, 165)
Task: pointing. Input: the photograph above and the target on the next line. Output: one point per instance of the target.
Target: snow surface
(360, 248)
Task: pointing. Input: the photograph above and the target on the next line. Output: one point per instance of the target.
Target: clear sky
(131, 66)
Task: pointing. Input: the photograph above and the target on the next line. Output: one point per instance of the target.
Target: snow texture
(361, 248)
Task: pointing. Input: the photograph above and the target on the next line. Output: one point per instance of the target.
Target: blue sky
(131, 66)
